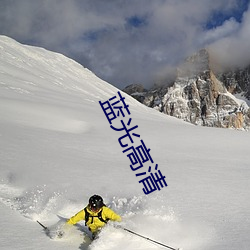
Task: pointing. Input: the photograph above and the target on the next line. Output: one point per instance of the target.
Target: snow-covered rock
(199, 97)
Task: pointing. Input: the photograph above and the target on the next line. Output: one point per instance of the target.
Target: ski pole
(45, 228)
(149, 239)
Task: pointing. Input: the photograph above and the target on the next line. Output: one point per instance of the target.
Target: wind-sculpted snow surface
(57, 150)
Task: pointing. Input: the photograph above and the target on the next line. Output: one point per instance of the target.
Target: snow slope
(57, 149)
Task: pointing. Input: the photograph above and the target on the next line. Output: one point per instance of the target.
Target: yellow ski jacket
(94, 223)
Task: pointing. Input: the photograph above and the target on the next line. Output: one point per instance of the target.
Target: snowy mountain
(237, 81)
(58, 148)
(201, 95)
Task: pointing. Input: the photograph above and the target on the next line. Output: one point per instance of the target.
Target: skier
(95, 214)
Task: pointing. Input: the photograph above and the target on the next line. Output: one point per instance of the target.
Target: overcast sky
(131, 41)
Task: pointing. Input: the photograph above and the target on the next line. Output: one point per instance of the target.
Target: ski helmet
(96, 202)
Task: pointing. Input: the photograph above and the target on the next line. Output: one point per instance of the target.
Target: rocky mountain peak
(200, 96)
(196, 64)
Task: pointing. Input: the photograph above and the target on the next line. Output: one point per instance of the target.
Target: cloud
(123, 42)
(233, 49)
(228, 28)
